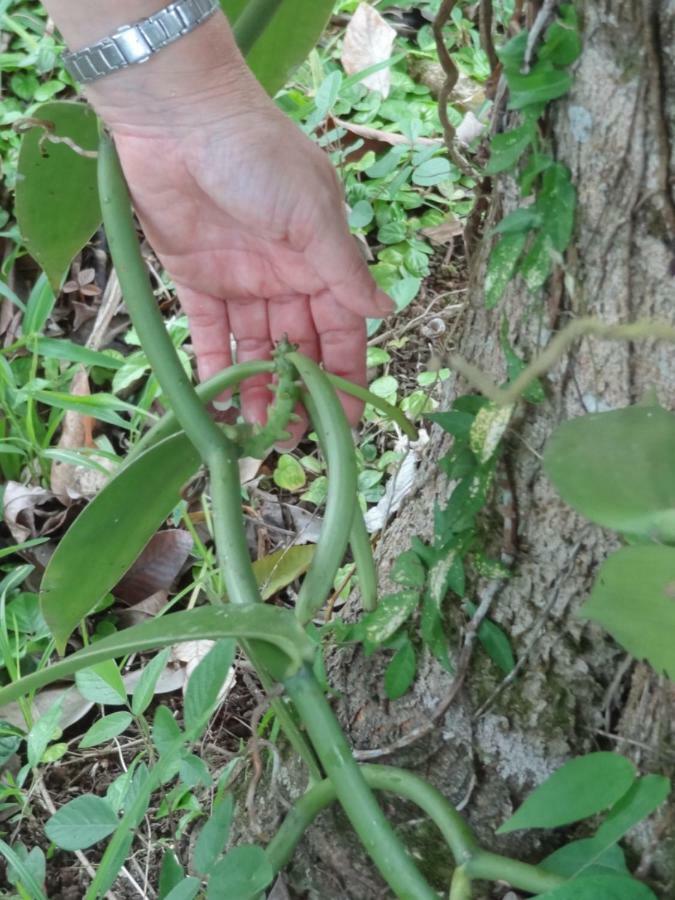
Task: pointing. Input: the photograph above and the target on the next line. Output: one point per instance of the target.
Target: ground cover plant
(190, 802)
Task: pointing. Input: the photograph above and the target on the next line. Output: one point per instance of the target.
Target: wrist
(197, 79)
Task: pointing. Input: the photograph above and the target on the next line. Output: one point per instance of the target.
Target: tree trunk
(577, 690)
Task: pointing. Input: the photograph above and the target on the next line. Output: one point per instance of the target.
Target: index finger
(342, 341)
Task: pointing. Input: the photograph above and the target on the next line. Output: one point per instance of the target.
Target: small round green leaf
(83, 822)
(618, 469)
(289, 474)
(243, 874)
(634, 599)
(579, 789)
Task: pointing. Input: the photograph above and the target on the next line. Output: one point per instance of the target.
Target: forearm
(199, 77)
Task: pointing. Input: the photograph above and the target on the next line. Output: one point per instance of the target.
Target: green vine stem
(643, 329)
(219, 454)
(212, 444)
(233, 376)
(460, 888)
(492, 867)
(342, 487)
(376, 834)
(452, 826)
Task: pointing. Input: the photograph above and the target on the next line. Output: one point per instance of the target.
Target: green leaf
(105, 729)
(400, 672)
(582, 787)
(542, 84)
(23, 871)
(634, 599)
(507, 148)
(361, 214)
(186, 889)
(60, 348)
(43, 731)
(392, 611)
(536, 265)
(213, 836)
(102, 406)
(556, 201)
(165, 730)
(455, 422)
(434, 171)
(600, 887)
(112, 531)
(289, 474)
(495, 642)
(81, 823)
(57, 203)
(102, 684)
(39, 306)
(501, 266)
(525, 218)
(277, 570)
(409, 571)
(171, 873)
(571, 859)
(268, 624)
(617, 469)
(291, 34)
(515, 365)
(562, 43)
(201, 694)
(145, 688)
(243, 874)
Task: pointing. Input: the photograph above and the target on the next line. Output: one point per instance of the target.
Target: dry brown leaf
(72, 482)
(148, 608)
(445, 232)
(384, 137)
(368, 40)
(19, 502)
(157, 567)
(190, 653)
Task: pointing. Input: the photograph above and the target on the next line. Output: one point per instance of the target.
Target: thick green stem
(391, 412)
(342, 486)
(492, 867)
(369, 822)
(214, 447)
(460, 888)
(253, 21)
(452, 826)
(206, 392)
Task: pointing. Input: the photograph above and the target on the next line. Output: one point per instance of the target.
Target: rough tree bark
(577, 690)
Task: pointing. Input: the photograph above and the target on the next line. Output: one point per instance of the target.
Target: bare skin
(245, 213)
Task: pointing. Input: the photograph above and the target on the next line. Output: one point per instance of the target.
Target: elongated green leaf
(111, 532)
(600, 887)
(292, 33)
(38, 309)
(213, 836)
(541, 84)
(243, 874)
(145, 689)
(23, 872)
(507, 148)
(82, 822)
(186, 889)
(171, 873)
(633, 598)
(501, 266)
(585, 855)
(618, 469)
(400, 672)
(205, 684)
(44, 730)
(102, 406)
(582, 787)
(60, 348)
(106, 729)
(556, 202)
(268, 624)
(56, 195)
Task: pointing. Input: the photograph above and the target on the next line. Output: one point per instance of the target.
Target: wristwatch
(136, 43)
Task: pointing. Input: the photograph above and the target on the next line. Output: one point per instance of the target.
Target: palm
(248, 220)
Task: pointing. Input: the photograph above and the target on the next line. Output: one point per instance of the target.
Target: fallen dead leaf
(368, 40)
(157, 567)
(399, 485)
(148, 608)
(190, 654)
(69, 481)
(445, 232)
(384, 137)
(20, 502)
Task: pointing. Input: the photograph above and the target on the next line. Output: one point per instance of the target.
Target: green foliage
(56, 195)
(579, 789)
(609, 887)
(533, 233)
(81, 823)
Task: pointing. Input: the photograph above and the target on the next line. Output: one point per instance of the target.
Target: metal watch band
(136, 43)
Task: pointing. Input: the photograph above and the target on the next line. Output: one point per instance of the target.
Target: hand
(247, 216)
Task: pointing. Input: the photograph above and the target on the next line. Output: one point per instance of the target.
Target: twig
(634, 331)
(451, 76)
(485, 28)
(112, 297)
(463, 662)
(538, 26)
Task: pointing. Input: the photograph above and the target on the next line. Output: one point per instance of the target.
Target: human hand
(247, 216)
